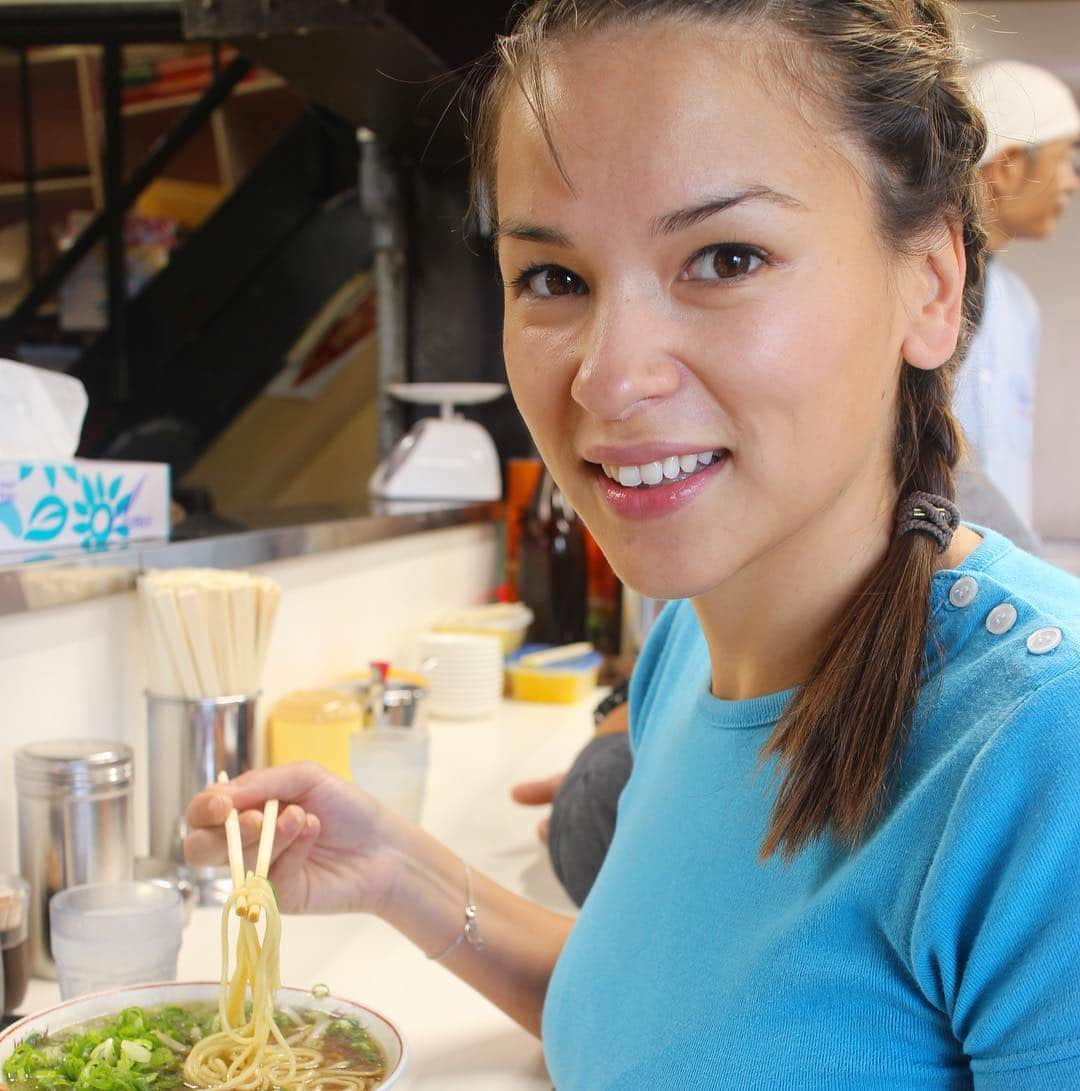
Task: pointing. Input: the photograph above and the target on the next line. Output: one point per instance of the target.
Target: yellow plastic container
(560, 683)
(506, 620)
(314, 725)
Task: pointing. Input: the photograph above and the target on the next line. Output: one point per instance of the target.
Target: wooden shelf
(51, 54)
(12, 190)
(150, 106)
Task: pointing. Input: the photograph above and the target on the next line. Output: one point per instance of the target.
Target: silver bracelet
(471, 930)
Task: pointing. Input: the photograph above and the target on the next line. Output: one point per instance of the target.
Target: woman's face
(703, 329)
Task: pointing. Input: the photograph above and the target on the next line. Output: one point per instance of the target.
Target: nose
(1072, 179)
(626, 357)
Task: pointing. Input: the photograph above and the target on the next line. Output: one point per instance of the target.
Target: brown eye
(553, 281)
(731, 263)
(726, 262)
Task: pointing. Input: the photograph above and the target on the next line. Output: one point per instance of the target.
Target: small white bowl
(72, 1013)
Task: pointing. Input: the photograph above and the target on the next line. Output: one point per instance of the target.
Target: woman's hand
(331, 848)
(537, 793)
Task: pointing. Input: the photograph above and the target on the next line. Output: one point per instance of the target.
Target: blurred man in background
(1030, 173)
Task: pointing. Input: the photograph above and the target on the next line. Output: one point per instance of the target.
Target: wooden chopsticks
(208, 630)
(236, 851)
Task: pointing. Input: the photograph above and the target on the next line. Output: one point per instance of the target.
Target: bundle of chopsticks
(10, 911)
(208, 630)
(236, 852)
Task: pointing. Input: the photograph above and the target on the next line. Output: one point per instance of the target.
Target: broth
(144, 1050)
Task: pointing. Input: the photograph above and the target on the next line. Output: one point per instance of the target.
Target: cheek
(540, 373)
(807, 388)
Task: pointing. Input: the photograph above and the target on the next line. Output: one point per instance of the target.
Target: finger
(290, 783)
(290, 825)
(251, 790)
(543, 828)
(206, 848)
(209, 808)
(536, 792)
(290, 861)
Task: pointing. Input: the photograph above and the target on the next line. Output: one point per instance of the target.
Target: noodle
(241, 1056)
(254, 1055)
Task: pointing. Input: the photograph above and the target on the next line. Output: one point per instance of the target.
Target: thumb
(534, 793)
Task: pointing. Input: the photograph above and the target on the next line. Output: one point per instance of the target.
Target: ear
(936, 303)
(1006, 173)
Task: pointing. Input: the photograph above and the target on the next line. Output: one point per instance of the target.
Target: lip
(656, 501)
(637, 454)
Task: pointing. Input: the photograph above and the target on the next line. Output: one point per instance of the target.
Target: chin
(678, 578)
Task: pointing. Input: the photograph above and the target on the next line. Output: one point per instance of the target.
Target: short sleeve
(996, 936)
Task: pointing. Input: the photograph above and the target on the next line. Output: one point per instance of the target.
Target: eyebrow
(668, 224)
(694, 214)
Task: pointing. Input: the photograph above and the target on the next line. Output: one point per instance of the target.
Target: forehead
(642, 116)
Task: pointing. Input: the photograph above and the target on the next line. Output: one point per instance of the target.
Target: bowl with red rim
(85, 1009)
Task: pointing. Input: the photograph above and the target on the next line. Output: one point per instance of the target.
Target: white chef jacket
(995, 393)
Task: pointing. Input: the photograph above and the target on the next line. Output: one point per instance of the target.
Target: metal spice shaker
(75, 824)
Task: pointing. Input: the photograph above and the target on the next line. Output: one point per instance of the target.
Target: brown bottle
(552, 577)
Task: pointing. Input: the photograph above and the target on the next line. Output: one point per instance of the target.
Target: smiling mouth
(664, 472)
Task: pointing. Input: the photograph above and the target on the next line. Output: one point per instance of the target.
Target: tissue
(50, 500)
(41, 412)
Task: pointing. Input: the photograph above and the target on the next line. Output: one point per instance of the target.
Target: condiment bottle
(74, 824)
(552, 577)
(314, 725)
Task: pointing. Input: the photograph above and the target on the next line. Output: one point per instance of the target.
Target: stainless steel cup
(403, 704)
(189, 742)
(74, 801)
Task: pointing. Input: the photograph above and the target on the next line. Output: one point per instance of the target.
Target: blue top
(943, 952)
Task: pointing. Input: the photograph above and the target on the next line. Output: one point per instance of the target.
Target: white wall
(1047, 33)
(77, 671)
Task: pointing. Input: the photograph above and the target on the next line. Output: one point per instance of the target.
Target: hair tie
(927, 513)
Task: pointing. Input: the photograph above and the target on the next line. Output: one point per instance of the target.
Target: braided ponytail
(892, 71)
(840, 739)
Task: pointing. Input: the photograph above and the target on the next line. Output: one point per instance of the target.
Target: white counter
(456, 1038)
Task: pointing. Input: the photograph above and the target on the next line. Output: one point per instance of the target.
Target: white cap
(1023, 105)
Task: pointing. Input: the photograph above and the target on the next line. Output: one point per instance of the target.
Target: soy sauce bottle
(553, 572)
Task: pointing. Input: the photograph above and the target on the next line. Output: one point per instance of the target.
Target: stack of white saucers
(464, 673)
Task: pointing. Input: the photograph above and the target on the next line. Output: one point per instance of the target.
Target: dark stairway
(211, 329)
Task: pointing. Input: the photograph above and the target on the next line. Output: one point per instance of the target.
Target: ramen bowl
(84, 1009)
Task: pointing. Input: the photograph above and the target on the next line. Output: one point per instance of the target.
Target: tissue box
(82, 504)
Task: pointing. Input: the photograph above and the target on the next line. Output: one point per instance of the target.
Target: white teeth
(652, 473)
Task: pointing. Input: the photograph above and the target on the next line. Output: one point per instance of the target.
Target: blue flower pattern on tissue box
(88, 505)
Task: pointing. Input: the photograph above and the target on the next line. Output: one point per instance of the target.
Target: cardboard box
(79, 503)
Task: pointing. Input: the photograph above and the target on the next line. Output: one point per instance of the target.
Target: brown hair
(893, 78)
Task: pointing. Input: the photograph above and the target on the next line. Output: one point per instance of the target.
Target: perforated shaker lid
(56, 767)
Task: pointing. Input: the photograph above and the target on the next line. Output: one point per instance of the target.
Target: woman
(741, 251)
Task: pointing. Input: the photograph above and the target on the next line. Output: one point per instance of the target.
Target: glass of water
(119, 933)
